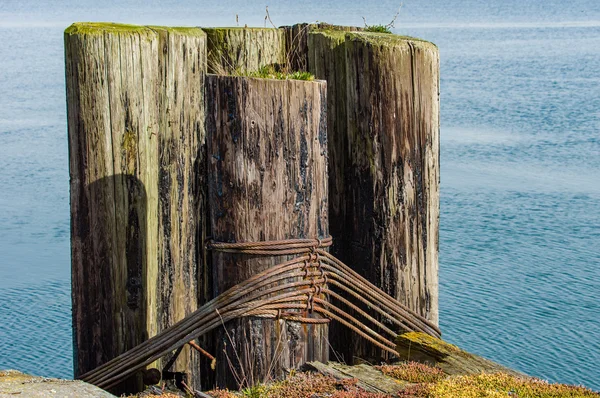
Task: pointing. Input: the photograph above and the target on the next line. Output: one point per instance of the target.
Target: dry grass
(218, 393)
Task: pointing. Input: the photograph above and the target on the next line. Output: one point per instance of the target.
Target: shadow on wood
(135, 105)
(109, 296)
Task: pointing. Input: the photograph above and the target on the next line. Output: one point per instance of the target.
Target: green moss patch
(98, 28)
(378, 38)
(182, 30)
(428, 344)
(92, 28)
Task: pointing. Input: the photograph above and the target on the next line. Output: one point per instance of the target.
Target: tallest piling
(136, 121)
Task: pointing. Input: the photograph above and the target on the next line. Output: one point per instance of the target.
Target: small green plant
(379, 28)
(274, 72)
(222, 60)
(256, 391)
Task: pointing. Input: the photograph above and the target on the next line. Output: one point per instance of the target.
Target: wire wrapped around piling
(278, 293)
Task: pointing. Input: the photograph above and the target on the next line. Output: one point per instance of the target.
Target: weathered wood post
(234, 51)
(140, 169)
(326, 55)
(267, 168)
(383, 129)
(297, 38)
(136, 123)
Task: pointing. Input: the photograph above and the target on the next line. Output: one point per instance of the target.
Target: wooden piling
(326, 59)
(135, 124)
(139, 174)
(240, 50)
(383, 126)
(393, 136)
(297, 39)
(267, 168)
(181, 281)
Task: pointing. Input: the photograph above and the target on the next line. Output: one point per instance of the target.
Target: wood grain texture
(267, 168)
(384, 163)
(240, 50)
(366, 377)
(181, 276)
(297, 42)
(133, 152)
(327, 61)
(138, 179)
(393, 132)
(451, 359)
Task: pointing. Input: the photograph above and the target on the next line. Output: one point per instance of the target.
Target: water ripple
(35, 336)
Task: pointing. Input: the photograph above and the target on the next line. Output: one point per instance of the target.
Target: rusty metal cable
(379, 292)
(271, 275)
(291, 291)
(108, 376)
(204, 314)
(270, 244)
(376, 302)
(271, 248)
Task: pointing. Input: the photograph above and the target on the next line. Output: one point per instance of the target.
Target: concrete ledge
(15, 383)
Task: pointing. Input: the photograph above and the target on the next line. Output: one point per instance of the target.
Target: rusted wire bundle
(290, 299)
(274, 247)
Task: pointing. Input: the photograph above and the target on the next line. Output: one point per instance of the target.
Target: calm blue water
(520, 220)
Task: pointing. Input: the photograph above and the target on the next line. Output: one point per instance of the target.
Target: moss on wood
(100, 28)
(377, 38)
(182, 30)
(92, 28)
(420, 347)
